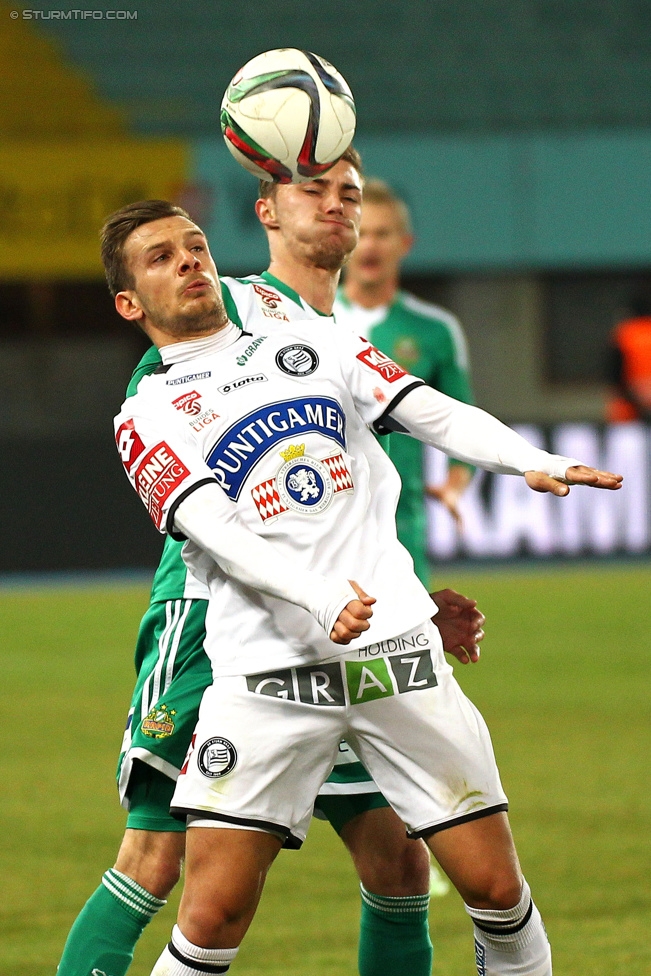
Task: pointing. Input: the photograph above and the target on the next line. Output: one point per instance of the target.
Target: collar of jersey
(180, 352)
(289, 292)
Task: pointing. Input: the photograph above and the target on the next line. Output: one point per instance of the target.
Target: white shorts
(265, 743)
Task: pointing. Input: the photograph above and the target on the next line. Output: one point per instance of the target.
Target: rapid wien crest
(303, 484)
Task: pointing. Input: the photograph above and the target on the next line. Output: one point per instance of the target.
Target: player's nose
(188, 261)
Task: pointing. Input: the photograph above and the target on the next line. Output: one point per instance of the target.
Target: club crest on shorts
(297, 360)
(159, 722)
(217, 757)
(303, 484)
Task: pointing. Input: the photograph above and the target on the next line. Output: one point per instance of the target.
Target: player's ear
(128, 306)
(407, 244)
(266, 212)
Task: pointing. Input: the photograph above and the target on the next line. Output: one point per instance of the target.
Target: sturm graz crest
(304, 484)
(297, 360)
(217, 757)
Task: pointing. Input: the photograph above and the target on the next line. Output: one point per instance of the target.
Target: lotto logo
(158, 476)
(386, 367)
(188, 403)
(129, 444)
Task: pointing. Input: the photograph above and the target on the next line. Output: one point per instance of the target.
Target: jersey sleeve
(162, 463)
(376, 382)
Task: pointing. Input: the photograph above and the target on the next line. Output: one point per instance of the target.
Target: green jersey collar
(289, 292)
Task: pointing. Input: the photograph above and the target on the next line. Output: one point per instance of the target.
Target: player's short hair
(268, 189)
(117, 228)
(379, 192)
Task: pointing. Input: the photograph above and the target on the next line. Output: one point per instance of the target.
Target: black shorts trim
(425, 832)
(169, 521)
(385, 424)
(291, 842)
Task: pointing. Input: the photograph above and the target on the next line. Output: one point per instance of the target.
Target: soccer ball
(288, 116)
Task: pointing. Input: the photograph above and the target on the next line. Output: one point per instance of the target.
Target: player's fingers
(539, 481)
(581, 474)
(452, 600)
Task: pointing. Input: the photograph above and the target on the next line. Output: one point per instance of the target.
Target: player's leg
(173, 671)
(224, 876)
(393, 871)
(429, 750)
(480, 859)
(104, 934)
(394, 882)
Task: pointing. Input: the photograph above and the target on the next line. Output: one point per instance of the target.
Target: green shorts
(173, 672)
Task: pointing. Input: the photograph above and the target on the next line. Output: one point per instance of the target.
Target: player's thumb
(363, 597)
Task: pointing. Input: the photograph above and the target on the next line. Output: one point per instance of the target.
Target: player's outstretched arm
(472, 435)
(354, 618)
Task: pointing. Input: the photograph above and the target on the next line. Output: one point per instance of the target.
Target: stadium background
(519, 131)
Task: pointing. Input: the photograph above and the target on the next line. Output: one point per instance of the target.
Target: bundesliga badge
(303, 484)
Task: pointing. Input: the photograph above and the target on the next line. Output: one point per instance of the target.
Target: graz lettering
(348, 682)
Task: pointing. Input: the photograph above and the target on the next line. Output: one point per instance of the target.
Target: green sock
(104, 934)
(394, 936)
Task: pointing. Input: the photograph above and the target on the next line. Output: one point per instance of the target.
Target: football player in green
(423, 338)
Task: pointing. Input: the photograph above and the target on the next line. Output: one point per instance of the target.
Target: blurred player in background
(311, 229)
(424, 339)
(629, 365)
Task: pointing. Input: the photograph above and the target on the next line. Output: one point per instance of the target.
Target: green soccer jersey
(427, 341)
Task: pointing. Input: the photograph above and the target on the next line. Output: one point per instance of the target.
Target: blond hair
(380, 193)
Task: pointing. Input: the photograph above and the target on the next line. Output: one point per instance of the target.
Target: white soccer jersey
(280, 422)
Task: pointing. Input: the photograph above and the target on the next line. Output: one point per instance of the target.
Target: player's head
(160, 271)
(314, 223)
(385, 237)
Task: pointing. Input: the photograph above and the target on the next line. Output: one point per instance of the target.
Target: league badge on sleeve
(386, 367)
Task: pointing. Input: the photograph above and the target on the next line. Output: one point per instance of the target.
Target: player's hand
(460, 624)
(354, 618)
(449, 498)
(579, 474)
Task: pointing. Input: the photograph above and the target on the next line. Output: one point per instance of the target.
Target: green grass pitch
(563, 683)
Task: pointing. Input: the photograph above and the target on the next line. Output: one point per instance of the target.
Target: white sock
(182, 958)
(511, 942)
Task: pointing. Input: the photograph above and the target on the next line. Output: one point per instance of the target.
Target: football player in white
(278, 569)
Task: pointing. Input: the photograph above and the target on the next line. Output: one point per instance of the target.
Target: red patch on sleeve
(379, 395)
(386, 367)
(158, 476)
(129, 444)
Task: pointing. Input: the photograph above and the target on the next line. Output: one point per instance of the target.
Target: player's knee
(495, 892)
(398, 873)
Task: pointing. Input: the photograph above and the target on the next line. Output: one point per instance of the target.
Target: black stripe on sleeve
(385, 423)
(169, 521)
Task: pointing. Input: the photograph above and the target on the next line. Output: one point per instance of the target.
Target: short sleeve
(162, 464)
(376, 382)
